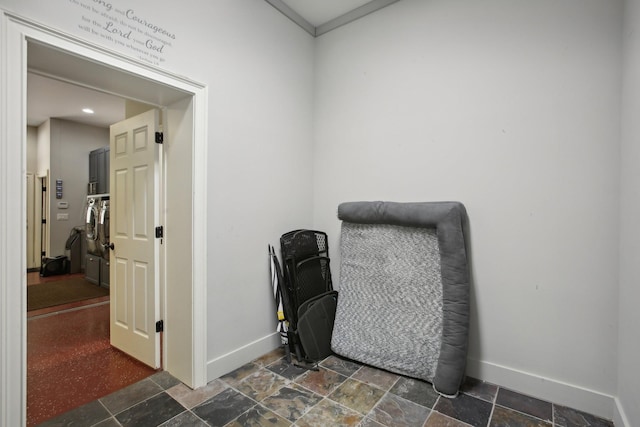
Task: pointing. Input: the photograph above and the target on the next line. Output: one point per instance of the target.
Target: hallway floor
(34, 278)
(270, 391)
(70, 361)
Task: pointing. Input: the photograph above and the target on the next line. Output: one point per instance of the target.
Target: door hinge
(44, 189)
(44, 220)
(159, 232)
(159, 137)
(160, 326)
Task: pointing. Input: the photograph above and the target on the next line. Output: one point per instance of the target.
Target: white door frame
(14, 33)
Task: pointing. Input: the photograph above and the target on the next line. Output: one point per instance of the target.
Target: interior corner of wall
(232, 360)
(619, 415)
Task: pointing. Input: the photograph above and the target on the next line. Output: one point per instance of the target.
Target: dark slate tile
(271, 357)
(480, 389)
(340, 365)
(328, 413)
(357, 395)
(323, 381)
(503, 417)
(164, 380)
(190, 398)
(292, 402)
(527, 404)
(436, 419)
(91, 413)
(377, 377)
(151, 412)
(109, 422)
(234, 377)
(420, 392)
(395, 411)
(261, 384)
(129, 396)
(259, 416)
(567, 417)
(223, 408)
(368, 422)
(288, 370)
(465, 408)
(185, 419)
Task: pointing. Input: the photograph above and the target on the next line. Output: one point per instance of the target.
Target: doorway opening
(71, 355)
(184, 341)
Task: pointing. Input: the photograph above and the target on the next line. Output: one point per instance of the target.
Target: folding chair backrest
(312, 278)
(307, 276)
(305, 256)
(301, 244)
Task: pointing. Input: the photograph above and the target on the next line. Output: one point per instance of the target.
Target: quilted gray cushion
(404, 289)
(392, 317)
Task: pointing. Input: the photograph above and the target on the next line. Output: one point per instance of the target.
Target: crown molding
(341, 20)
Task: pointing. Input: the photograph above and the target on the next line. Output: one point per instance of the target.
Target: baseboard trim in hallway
(571, 395)
(226, 363)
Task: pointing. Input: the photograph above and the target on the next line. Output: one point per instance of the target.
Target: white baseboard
(226, 363)
(573, 396)
(570, 395)
(619, 417)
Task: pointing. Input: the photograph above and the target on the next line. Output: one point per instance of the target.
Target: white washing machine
(103, 239)
(103, 227)
(92, 217)
(97, 235)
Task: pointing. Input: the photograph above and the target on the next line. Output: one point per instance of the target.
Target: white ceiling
(50, 93)
(318, 12)
(318, 17)
(49, 98)
(55, 98)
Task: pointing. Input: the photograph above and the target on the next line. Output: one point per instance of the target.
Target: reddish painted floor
(35, 279)
(70, 361)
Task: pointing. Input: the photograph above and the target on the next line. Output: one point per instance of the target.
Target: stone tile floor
(271, 392)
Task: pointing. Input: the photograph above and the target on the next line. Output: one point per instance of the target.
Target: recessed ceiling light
(87, 110)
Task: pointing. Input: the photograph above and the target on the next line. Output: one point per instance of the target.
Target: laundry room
(68, 177)
(60, 154)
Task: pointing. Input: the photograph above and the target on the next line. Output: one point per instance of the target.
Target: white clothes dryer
(92, 216)
(103, 227)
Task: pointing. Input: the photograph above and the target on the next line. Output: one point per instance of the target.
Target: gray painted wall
(512, 108)
(629, 335)
(69, 161)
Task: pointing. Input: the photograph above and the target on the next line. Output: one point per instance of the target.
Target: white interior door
(134, 272)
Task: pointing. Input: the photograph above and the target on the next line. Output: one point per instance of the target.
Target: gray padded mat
(393, 319)
(395, 311)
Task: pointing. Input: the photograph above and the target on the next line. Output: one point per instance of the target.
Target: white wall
(177, 355)
(258, 66)
(69, 156)
(43, 147)
(260, 72)
(33, 200)
(43, 143)
(629, 333)
(32, 149)
(511, 107)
